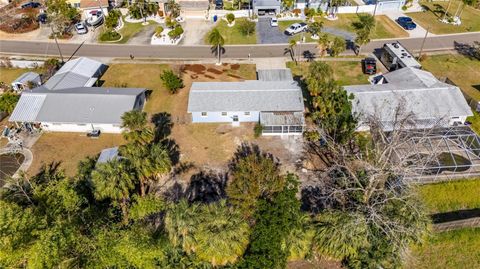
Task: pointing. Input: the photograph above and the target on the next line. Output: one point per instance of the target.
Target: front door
(235, 120)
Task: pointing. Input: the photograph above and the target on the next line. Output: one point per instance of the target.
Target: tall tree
(315, 28)
(323, 44)
(113, 180)
(319, 74)
(292, 44)
(338, 46)
(216, 40)
(135, 127)
(61, 15)
(363, 29)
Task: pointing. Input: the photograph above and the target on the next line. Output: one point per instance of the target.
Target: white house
(77, 109)
(277, 105)
(428, 101)
(23, 82)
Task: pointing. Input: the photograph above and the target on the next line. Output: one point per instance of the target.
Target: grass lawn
(435, 11)
(8, 75)
(385, 28)
(282, 25)
(345, 72)
(463, 71)
(128, 30)
(232, 35)
(456, 249)
(69, 149)
(451, 196)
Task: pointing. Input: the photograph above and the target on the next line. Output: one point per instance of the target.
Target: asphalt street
(202, 52)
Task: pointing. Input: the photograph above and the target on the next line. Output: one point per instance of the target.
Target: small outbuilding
(26, 81)
(80, 72)
(266, 6)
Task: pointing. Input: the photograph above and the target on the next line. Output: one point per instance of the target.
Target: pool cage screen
(440, 154)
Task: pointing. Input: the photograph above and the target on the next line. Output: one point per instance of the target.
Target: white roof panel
(28, 107)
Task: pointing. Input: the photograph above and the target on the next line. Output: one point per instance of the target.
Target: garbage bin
(215, 18)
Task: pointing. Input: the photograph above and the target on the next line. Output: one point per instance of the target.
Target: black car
(94, 134)
(218, 4)
(407, 23)
(369, 66)
(42, 18)
(31, 5)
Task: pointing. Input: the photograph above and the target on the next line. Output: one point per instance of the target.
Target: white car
(296, 28)
(273, 22)
(80, 28)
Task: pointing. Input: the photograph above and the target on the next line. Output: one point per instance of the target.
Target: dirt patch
(210, 77)
(215, 71)
(233, 76)
(193, 76)
(196, 68)
(235, 66)
(14, 19)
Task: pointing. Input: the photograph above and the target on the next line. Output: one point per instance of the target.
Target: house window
(204, 114)
(224, 114)
(77, 5)
(247, 113)
(82, 124)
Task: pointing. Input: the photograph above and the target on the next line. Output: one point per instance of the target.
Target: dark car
(218, 4)
(42, 18)
(31, 5)
(369, 66)
(407, 23)
(94, 134)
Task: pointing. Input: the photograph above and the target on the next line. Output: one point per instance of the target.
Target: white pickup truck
(296, 28)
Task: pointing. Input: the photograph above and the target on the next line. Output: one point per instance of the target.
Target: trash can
(215, 18)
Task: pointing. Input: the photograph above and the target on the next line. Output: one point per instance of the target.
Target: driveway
(267, 34)
(195, 31)
(419, 31)
(144, 36)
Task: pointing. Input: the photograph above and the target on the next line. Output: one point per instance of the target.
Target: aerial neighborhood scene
(249, 134)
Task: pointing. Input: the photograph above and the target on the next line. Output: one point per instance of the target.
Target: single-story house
(267, 6)
(23, 81)
(107, 155)
(77, 109)
(428, 101)
(91, 5)
(277, 105)
(80, 72)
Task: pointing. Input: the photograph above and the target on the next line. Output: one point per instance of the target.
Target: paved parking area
(267, 34)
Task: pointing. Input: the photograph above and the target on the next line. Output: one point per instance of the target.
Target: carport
(267, 6)
(390, 5)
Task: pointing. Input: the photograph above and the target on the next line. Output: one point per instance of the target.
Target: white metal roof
(81, 72)
(27, 107)
(26, 77)
(107, 155)
(251, 95)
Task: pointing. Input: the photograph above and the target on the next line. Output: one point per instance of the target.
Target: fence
(356, 9)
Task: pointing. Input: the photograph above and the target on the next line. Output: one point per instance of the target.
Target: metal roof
(266, 3)
(81, 72)
(250, 95)
(77, 105)
(26, 77)
(93, 3)
(416, 92)
(403, 54)
(107, 155)
(274, 74)
(282, 118)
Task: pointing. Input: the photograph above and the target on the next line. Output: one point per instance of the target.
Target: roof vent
(395, 45)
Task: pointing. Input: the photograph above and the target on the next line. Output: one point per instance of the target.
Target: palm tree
(135, 127)
(338, 46)
(180, 224)
(292, 44)
(323, 44)
(363, 29)
(114, 181)
(217, 41)
(315, 28)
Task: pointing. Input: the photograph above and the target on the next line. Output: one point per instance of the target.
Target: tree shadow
(308, 55)
(313, 199)
(216, 51)
(471, 51)
(175, 193)
(163, 128)
(206, 187)
(439, 11)
(247, 149)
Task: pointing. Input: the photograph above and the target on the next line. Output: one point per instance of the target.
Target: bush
(176, 32)
(230, 17)
(160, 13)
(296, 12)
(8, 101)
(257, 130)
(246, 27)
(158, 31)
(111, 21)
(170, 23)
(171, 81)
(404, 8)
(110, 35)
(309, 12)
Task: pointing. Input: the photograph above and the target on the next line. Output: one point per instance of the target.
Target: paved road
(202, 52)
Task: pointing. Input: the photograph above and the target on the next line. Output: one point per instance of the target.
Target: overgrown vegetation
(171, 81)
(8, 101)
(451, 196)
(62, 16)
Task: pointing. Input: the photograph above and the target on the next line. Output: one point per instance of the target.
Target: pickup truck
(296, 28)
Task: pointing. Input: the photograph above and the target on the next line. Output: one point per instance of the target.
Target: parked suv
(81, 28)
(369, 66)
(296, 28)
(218, 4)
(31, 5)
(406, 22)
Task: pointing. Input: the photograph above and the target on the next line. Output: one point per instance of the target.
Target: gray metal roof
(107, 155)
(81, 72)
(416, 91)
(250, 95)
(26, 77)
(274, 74)
(77, 105)
(282, 118)
(266, 3)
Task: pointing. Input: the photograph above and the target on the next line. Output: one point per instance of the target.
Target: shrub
(230, 17)
(171, 81)
(257, 130)
(110, 35)
(176, 32)
(160, 13)
(404, 8)
(111, 21)
(8, 101)
(246, 27)
(296, 12)
(423, 57)
(309, 12)
(158, 31)
(170, 23)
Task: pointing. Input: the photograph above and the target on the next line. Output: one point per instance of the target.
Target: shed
(81, 72)
(23, 81)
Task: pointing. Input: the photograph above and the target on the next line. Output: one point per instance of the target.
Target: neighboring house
(77, 109)
(93, 5)
(188, 5)
(108, 154)
(23, 81)
(428, 101)
(266, 6)
(68, 103)
(81, 72)
(276, 104)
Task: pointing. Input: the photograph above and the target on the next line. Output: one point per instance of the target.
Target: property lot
(232, 35)
(266, 34)
(69, 149)
(435, 11)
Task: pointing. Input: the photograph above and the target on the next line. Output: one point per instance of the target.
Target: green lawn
(8, 75)
(232, 35)
(456, 249)
(345, 72)
(463, 71)
(451, 196)
(128, 30)
(430, 18)
(385, 28)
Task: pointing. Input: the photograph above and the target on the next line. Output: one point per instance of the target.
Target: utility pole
(423, 42)
(56, 42)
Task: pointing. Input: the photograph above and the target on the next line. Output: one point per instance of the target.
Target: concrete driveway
(419, 31)
(144, 36)
(267, 34)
